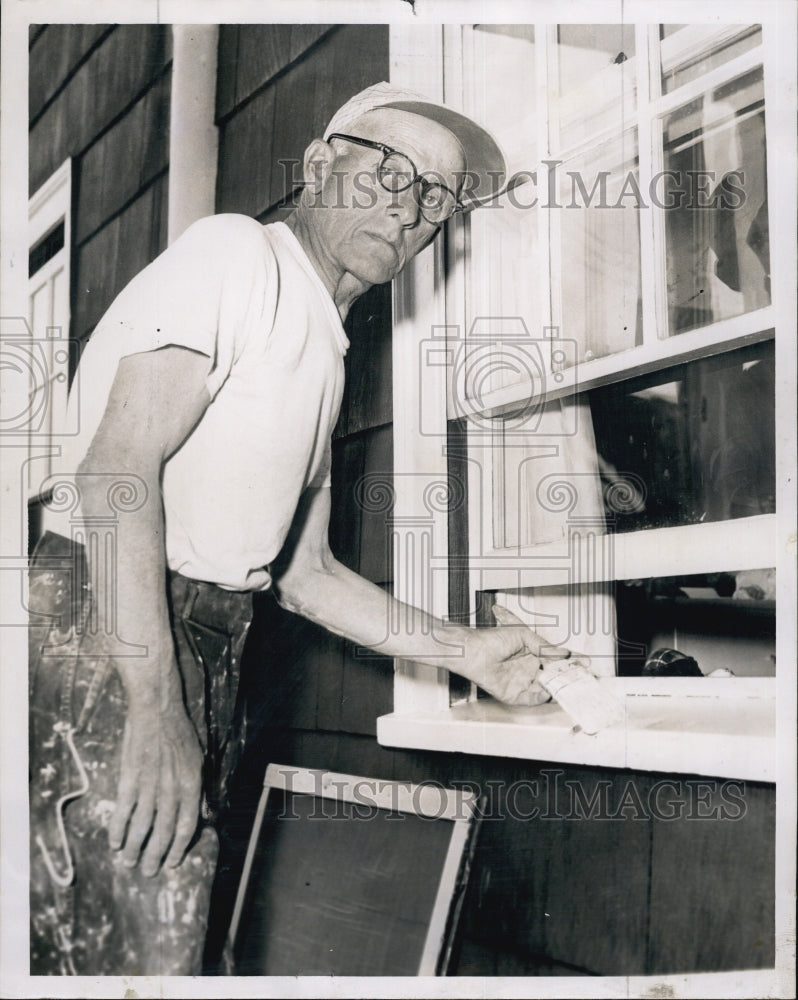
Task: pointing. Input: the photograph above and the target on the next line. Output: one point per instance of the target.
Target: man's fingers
(555, 652)
(522, 687)
(505, 617)
(533, 695)
(164, 825)
(534, 642)
(125, 802)
(140, 826)
(186, 824)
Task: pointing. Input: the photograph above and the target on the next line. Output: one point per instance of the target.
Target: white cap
(485, 163)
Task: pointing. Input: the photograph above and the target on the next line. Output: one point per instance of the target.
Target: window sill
(728, 731)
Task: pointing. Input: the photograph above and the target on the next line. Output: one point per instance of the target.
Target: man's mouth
(384, 240)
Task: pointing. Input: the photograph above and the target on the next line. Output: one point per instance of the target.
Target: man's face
(372, 232)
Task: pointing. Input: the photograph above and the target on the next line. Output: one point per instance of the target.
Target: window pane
(47, 247)
(718, 254)
(690, 51)
(504, 64)
(600, 249)
(666, 30)
(597, 84)
(692, 444)
(504, 272)
(689, 445)
(724, 622)
(706, 626)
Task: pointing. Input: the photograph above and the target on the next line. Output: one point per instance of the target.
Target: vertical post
(419, 432)
(193, 136)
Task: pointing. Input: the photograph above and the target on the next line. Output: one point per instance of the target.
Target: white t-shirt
(246, 296)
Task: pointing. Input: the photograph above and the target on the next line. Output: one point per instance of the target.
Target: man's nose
(404, 206)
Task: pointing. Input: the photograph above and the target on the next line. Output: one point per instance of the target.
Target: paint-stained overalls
(90, 915)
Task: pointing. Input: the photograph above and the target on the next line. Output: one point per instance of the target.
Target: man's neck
(344, 287)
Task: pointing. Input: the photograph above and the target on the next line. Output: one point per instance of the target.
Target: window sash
(657, 349)
(423, 716)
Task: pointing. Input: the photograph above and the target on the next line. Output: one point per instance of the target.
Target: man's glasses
(397, 172)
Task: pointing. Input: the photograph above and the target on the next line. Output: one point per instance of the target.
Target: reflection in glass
(505, 267)
(684, 59)
(600, 249)
(718, 253)
(706, 626)
(696, 442)
(597, 85)
(725, 622)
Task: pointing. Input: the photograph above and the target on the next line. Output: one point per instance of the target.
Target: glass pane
(692, 444)
(718, 253)
(41, 310)
(503, 64)
(710, 625)
(597, 84)
(690, 51)
(706, 626)
(504, 273)
(545, 470)
(600, 249)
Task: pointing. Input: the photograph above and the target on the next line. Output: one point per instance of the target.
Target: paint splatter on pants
(89, 914)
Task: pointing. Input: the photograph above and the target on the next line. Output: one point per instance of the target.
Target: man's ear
(317, 164)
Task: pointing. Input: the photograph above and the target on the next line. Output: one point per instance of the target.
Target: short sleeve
(200, 293)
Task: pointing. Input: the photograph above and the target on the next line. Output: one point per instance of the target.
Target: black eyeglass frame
(416, 179)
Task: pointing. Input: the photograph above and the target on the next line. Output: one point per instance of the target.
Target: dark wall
(553, 892)
(100, 94)
(278, 87)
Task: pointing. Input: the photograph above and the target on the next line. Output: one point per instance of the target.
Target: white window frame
(50, 205)
(735, 737)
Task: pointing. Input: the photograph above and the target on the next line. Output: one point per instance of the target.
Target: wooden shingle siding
(112, 79)
(565, 896)
(245, 169)
(61, 48)
(346, 516)
(251, 55)
(368, 400)
(292, 101)
(712, 884)
(124, 160)
(366, 690)
(33, 33)
(376, 509)
(594, 911)
(116, 253)
(360, 521)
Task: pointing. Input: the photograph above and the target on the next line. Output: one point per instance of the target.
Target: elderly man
(209, 392)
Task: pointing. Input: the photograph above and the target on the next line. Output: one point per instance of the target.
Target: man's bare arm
(311, 582)
(156, 399)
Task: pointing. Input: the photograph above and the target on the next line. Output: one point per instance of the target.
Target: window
(594, 360)
(48, 318)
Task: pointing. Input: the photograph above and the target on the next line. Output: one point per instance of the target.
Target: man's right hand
(159, 787)
(156, 399)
